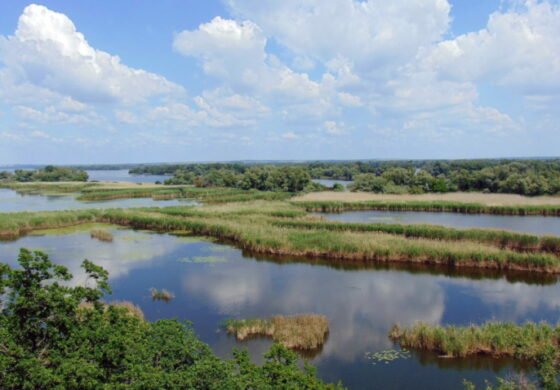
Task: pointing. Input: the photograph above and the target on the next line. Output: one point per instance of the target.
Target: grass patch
(101, 235)
(493, 338)
(431, 206)
(257, 227)
(161, 295)
(500, 238)
(302, 331)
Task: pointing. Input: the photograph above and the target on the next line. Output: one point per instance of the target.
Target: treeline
(48, 173)
(263, 178)
(525, 177)
(54, 336)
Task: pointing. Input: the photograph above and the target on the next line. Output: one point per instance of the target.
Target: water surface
(11, 201)
(123, 175)
(330, 183)
(529, 224)
(213, 281)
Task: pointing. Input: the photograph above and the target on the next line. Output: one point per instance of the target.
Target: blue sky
(201, 80)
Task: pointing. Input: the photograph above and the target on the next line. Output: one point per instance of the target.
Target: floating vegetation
(219, 248)
(301, 331)
(188, 238)
(135, 238)
(387, 356)
(161, 295)
(102, 235)
(75, 229)
(204, 259)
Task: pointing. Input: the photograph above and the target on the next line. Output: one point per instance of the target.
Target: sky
(135, 81)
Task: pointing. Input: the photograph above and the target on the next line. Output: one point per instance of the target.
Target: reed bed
(260, 232)
(301, 331)
(161, 295)
(13, 225)
(253, 233)
(208, 195)
(487, 199)
(493, 338)
(57, 187)
(101, 235)
(500, 238)
(433, 206)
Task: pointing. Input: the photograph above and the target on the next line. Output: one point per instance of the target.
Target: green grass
(278, 228)
(433, 206)
(500, 238)
(301, 331)
(493, 338)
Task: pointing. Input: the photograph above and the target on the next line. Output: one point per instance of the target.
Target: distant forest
(519, 176)
(48, 173)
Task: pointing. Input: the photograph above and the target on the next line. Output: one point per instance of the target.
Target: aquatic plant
(102, 235)
(301, 331)
(387, 356)
(251, 227)
(431, 206)
(161, 295)
(493, 338)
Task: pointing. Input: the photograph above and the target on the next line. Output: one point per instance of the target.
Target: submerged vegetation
(101, 235)
(539, 344)
(301, 331)
(53, 336)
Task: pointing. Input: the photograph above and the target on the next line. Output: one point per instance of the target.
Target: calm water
(330, 183)
(123, 175)
(213, 282)
(529, 224)
(13, 201)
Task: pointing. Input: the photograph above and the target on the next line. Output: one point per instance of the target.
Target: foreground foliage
(55, 336)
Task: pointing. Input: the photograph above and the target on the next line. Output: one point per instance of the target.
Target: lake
(528, 224)
(213, 282)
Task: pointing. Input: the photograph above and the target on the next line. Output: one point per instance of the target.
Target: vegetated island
(300, 331)
(536, 343)
(284, 229)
